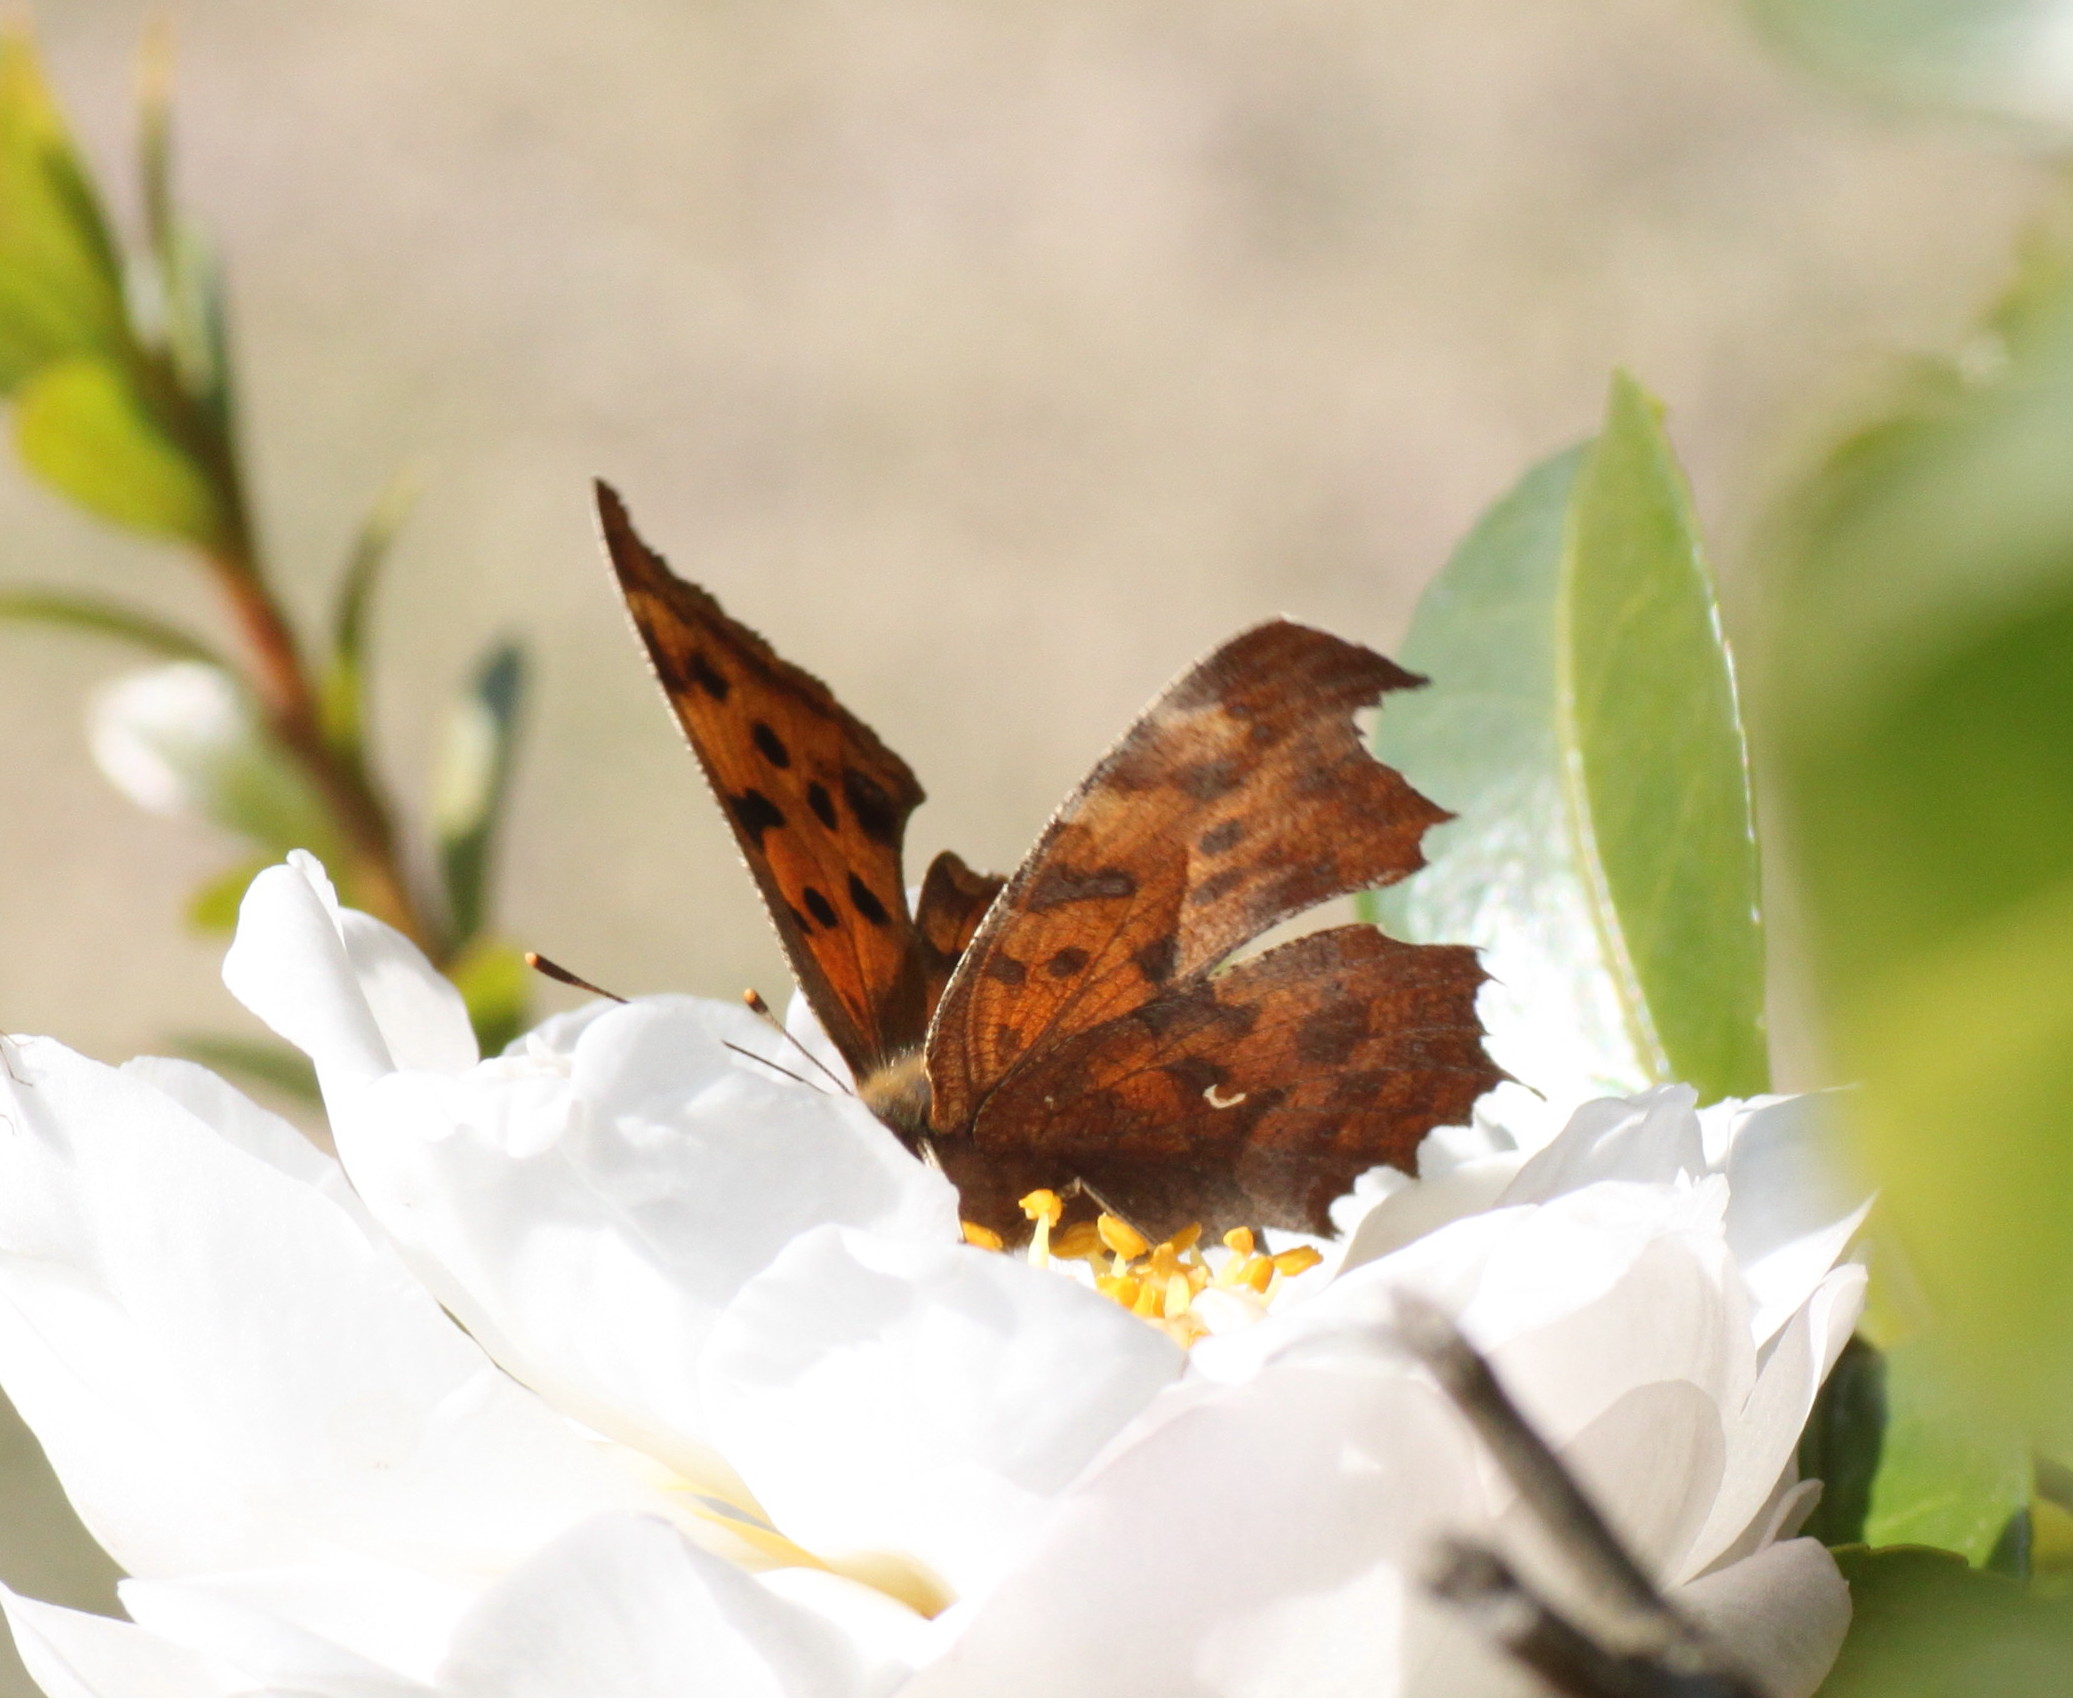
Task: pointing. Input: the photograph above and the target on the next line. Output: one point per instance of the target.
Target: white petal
(1256, 1541)
(881, 1396)
(1647, 1139)
(244, 1124)
(1782, 1612)
(1766, 1434)
(289, 966)
(71, 1654)
(588, 1212)
(421, 1015)
(226, 1372)
(1793, 1207)
(625, 1608)
(237, 1620)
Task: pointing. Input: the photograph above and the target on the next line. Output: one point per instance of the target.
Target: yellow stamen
(1180, 1296)
(1121, 1237)
(1259, 1274)
(1186, 1239)
(1301, 1259)
(983, 1236)
(1150, 1301)
(1080, 1241)
(1044, 1208)
(1239, 1239)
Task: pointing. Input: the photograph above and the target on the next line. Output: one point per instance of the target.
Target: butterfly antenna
(765, 1061)
(562, 976)
(757, 1006)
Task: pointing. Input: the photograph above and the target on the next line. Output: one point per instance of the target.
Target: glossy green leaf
(496, 984)
(1950, 1474)
(1582, 725)
(344, 682)
(472, 782)
(99, 617)
(1926, 1625)
(1919, 713)
(257, 1061)
(83, 428)
(60, 278)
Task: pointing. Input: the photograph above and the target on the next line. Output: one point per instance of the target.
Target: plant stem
(282, 682)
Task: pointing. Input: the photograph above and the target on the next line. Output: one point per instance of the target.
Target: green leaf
(1919, 712)
(1842, 1444)
(1950, 1473)
(104, 618)
(472, 783)
(344, 686)
(214, 905)
(258, 1061)
(1990, 57)
(1926, 1625)
(185, 740)
(1582, 724)
(60, 277)
(496, 984)
(83, 428)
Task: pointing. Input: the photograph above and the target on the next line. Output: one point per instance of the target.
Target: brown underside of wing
(818, 804)
(1078, 1035)
(953, 901)
(1248, 1098)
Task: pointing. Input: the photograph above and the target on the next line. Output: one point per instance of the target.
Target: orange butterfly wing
(1086, 1034)
(818, 804)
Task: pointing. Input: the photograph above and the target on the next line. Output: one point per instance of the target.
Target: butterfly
(1082, 1026)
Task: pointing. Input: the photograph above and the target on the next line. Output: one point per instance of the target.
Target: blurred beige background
(995, 358)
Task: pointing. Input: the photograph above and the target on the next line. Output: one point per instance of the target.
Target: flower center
(1173, 1285)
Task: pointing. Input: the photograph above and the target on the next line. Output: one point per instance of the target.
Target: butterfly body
(1092, 1020)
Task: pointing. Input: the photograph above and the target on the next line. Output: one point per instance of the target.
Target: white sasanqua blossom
(618, 1367)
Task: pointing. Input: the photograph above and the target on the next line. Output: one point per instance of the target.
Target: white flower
(771, 1427)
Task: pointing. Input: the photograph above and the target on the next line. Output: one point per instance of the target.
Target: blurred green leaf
(256, 1061)
(472, 782)
(214, 905)
(1918, 703)
(82, 427)
(344, 686)
(1582, 725)
(60, 277)
(105, 618)
(1842, 1444)
(185, 740)
(1926, 1625)
(496, 984)
(1987, 57)
(1950, 1474)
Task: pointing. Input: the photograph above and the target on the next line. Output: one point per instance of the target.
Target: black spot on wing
(876, 814)
(866, 904)
(1066, 962)
(1220, 838)
(818, 906)
(1332, 1033)
(756, 813)
(1155, 959)
(770, 745)
(1207, 780)
(1005, 969)
(1060, 885)
(822, 804)
(707, 677)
